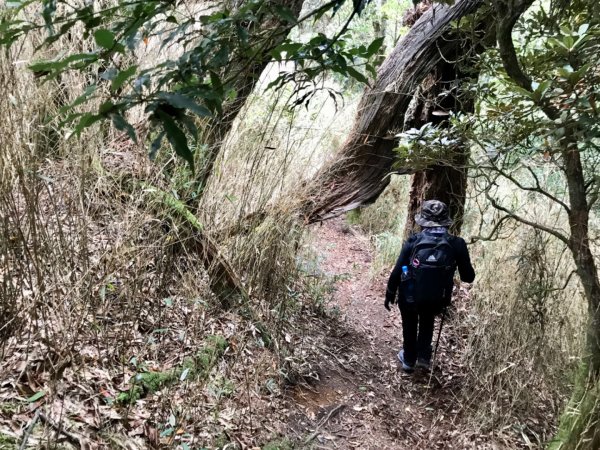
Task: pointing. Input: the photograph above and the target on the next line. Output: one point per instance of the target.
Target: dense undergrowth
(111, 325)
(523, 328)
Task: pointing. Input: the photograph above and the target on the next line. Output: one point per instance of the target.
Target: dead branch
(323, 422)
(72, 438)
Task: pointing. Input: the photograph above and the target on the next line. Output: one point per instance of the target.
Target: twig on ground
(326, 350)
(323, 422)
(344, 377)
(29, 429)
(72, 438)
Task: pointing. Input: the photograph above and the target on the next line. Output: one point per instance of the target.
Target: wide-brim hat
(433, 214)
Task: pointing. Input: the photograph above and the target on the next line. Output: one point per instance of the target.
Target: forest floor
(359, 397)
(351, 394)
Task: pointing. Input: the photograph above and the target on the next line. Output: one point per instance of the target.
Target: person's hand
(387, 303)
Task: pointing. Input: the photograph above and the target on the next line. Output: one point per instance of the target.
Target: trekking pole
(437, 344)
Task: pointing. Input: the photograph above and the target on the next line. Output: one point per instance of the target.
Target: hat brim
(430, 223)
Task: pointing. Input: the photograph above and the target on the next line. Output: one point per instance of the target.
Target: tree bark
(582, 254)
(358, 174)
(445, 181)
(578, 427)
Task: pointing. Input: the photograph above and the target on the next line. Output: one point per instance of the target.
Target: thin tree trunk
(359, 172)
(580, 246)
(578, 428)
(250, 67)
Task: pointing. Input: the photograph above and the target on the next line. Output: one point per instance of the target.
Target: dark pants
(417, 331)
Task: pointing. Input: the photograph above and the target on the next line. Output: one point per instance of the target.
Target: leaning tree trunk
(447, 183)
(250, 67)
(359, 172)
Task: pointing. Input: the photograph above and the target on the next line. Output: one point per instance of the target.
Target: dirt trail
(361, 399)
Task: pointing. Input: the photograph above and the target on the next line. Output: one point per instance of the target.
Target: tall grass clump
(104, 281)
(527, 325)
(251, 201)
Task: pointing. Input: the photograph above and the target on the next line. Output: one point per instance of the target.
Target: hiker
(423, 280)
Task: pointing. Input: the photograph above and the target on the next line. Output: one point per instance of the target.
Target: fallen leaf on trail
(36, 396)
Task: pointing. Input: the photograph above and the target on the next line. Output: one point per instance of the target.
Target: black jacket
(463, 261)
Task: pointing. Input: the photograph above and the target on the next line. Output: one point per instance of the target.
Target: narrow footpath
(359, 398)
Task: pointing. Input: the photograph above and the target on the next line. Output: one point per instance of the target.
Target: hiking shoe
(408, 368)
(423, 364)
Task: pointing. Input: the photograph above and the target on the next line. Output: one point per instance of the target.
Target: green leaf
(216, 83)
(52, 68)
(285, 13)
(42, 66)
(290, 48)
(155, 146)
(106, 107)
(221, 57)
(188, 123)
(524, 92)
(375, 46)
(122, 125)
(371, 70)
(104, 38)
(183, 102)
(357, 75)
(81, 99)
(583, 28)
(176, 137)
(85, 121)
(539, 89)
(177, 206)
(122, 77)
(47, 13)
(35, 397)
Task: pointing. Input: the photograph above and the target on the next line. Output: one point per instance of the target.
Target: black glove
(388, 302)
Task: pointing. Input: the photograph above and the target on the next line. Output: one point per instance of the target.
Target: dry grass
(525, 322)
(525, 332)
(101, 282)
(384, 222)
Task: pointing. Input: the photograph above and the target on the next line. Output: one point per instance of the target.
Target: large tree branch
(358, 173)
(531, 223)
(508, 12)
